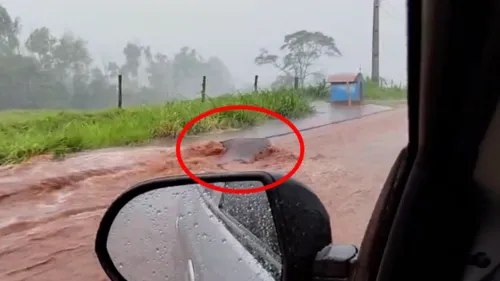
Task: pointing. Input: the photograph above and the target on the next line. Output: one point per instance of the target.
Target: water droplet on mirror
(195, 224)
(224, 240)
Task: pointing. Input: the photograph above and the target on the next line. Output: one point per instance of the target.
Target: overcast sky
(230, 29)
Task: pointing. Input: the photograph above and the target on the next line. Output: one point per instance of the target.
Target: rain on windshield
(94, 94)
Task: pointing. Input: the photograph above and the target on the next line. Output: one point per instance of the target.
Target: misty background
(218, 38)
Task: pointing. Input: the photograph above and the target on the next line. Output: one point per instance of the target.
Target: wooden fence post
(296, 83)
(255, 83)
(120, 93)
(203, 88)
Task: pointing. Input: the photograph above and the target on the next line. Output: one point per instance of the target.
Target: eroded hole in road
(246, 150)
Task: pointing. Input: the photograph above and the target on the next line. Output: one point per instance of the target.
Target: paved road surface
(326, 114)
(49, 210)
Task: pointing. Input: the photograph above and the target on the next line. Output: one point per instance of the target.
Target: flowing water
(49, 209)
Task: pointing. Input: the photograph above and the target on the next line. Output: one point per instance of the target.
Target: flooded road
(50, 208)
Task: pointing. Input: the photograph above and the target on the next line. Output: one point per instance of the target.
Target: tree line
(55, 72)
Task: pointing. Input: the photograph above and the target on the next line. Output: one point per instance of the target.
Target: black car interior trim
(439, 214)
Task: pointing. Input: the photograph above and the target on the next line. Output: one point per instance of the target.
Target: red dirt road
(49, 210)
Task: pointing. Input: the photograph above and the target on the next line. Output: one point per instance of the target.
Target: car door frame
(253, 244)
(426, 216)
(249, 233)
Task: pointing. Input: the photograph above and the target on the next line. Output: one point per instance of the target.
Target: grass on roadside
(24, 134)
(388, 92)
(373, 93)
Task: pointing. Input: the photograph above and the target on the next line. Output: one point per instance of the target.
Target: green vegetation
(387, 94)
(40, 69)
(299, 53)
(57, 72)
(24, 134)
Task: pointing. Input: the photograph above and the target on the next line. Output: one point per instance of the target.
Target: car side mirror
(141, 234)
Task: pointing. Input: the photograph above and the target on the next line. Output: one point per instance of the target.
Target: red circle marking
(191, 123)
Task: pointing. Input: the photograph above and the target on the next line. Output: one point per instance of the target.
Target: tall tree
(302, 49)
(58, 72)
(159, 71)
(220, 77)
(186, 71)
(133, 55)
(41, 44)
(71, 55)
(9, 33)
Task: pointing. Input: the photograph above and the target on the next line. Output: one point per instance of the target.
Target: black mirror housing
(302, 222)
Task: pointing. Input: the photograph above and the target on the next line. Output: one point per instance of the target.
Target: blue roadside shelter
(346, 88)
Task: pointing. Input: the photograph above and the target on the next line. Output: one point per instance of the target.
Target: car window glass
(253, 212)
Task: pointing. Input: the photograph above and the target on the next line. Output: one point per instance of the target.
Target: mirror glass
(193, 233)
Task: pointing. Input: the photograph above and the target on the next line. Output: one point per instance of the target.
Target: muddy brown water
(50, 209)
(245, 150)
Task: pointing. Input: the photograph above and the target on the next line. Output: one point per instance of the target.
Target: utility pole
(375, 41)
